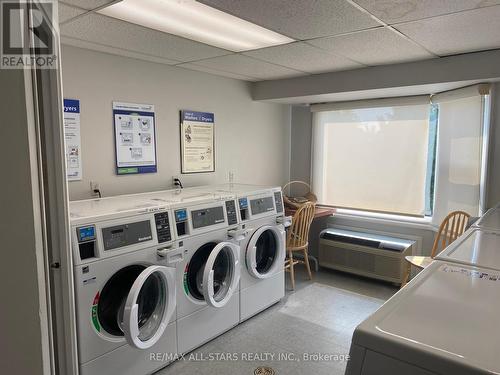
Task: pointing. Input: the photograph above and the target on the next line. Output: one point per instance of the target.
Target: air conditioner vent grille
(363, 257)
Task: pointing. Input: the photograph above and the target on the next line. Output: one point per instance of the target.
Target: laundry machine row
(160, 272)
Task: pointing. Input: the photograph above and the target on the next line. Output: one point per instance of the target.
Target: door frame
(46, 95)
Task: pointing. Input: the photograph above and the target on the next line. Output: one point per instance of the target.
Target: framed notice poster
(135, 139)
(197, 142)
(73, 140)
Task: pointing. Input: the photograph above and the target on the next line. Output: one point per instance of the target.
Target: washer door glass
(221, 274)
(112, 299)
(137, 302)
(220, 262)
(265, 251)
(193, 277)
(149, 306)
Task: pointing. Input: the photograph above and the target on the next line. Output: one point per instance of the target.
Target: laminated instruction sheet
(197, 142)
(72, 139)
(135, 140)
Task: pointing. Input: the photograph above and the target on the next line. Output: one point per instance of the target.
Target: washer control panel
(243, 203)
(181, 221)
(163, 227)
(261, 205)
(126, 234)
(207, 216)
(231, 212)
(278, 200)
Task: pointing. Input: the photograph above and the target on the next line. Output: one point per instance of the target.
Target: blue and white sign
(197, 142)
(135, 139)
(72, 139)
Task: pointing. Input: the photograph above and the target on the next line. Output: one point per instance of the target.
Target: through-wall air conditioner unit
(364, 254)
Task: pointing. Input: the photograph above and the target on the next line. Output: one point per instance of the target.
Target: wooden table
(319, 212)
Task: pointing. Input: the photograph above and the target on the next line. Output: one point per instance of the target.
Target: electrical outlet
(173, 180)
(94, 185)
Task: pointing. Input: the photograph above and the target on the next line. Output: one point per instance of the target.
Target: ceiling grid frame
(361, 6)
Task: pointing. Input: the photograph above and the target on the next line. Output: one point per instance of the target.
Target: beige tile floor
(318, 317)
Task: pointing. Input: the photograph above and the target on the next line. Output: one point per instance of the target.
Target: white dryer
(208, 276)
(445, 321)
(261, 214)
(475, 247)
(490, 220)
(124, 281)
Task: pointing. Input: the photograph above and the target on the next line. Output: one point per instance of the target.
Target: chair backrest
(452, 226)
(298, 232)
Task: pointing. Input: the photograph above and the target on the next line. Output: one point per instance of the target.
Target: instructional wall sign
(197, 142)
(73, 139)
(135, 140)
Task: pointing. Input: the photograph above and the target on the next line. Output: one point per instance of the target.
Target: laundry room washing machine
(124, 281)
(208, 276)
(445, 321)
(260, 212)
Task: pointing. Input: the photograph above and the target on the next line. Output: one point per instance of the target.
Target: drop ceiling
(330, 35)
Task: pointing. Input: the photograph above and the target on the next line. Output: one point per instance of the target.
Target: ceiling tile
(115, 51)
(374, 47)
(247, 66)
(205, 69)
(470, 31)
(67, 12)
(88, 4)
(393, 11)
(114, 33)
(304, 57)
(299, 19)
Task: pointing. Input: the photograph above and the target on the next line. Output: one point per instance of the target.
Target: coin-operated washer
(208, 276)
(124, 275)
(261, 214)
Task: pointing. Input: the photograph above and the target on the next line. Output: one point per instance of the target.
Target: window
(418, 156)
(378, 159)
(462, 150)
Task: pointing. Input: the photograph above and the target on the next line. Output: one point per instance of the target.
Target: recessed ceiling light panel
(196, 21)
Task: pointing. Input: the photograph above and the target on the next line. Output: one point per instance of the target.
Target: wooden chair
(452, 226)
(298, 238)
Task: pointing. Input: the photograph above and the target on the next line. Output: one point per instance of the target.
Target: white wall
(300, 143)
(252, 138)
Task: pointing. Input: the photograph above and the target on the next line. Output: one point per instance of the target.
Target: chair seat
(297, 248)
(419, 261)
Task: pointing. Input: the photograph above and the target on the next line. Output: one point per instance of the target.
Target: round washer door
(149, 306)
(265, 251)
(221, 274)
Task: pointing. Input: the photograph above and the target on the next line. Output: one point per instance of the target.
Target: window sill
(424, 223)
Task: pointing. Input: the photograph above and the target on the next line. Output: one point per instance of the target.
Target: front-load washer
(124, 281)
(445, 321)
(208, 276)
(260, 213)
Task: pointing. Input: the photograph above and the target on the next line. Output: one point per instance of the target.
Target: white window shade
(458, 172)
(372, 158)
